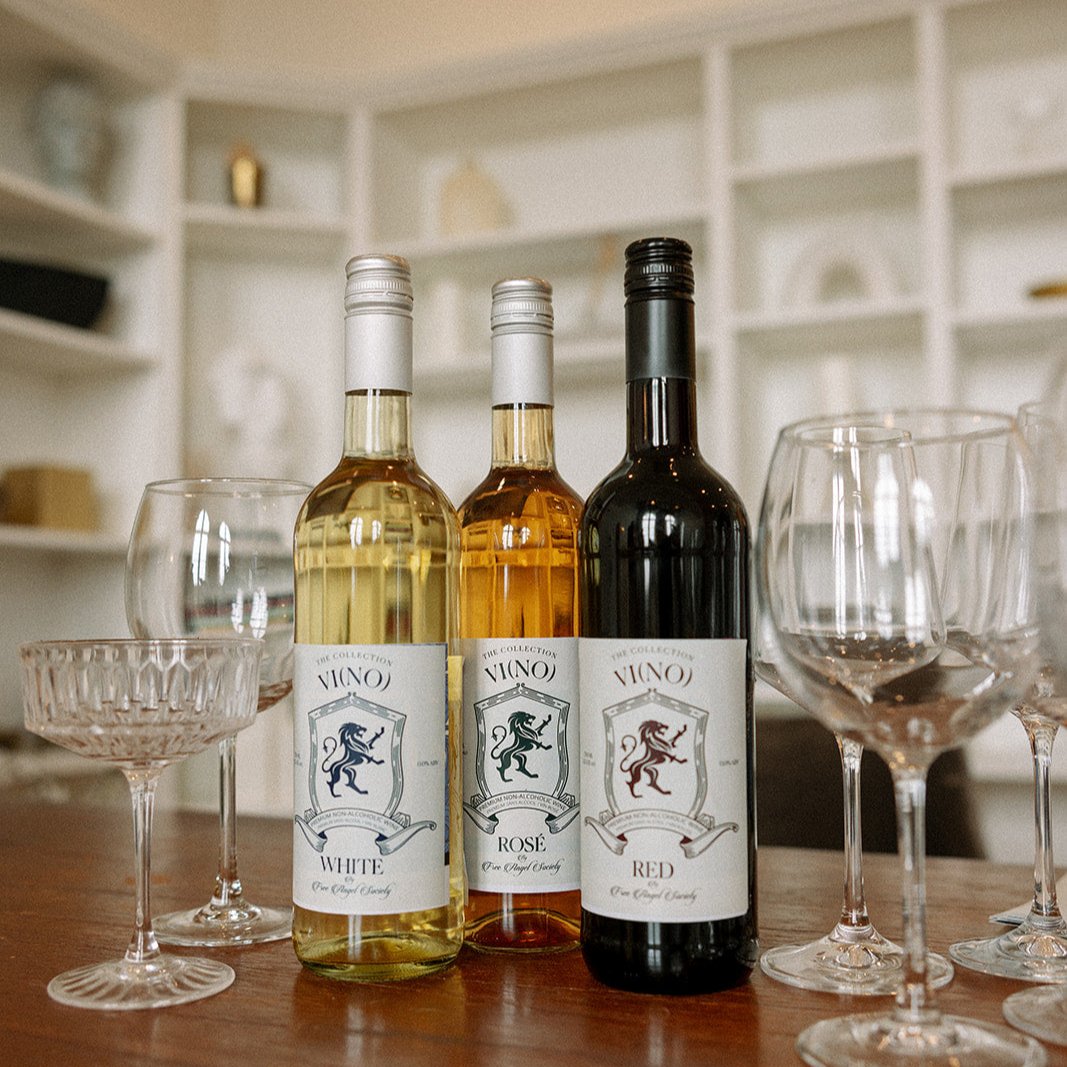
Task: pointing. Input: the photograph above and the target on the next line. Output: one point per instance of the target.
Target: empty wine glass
(1036, 949)
(140, 705)
(209, 557)
(1042, 1011)
(854, 958)
(893, 581)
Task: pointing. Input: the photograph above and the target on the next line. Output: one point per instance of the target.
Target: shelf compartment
(585, 269)
(50, 348)
(1007, 69)
(864, 162)
(785, 380)
(840, 328)
(551, 242)
(1000, 172)
(38, 539)
(267, 231)
(302, 151)
(823, 97)
(254, 325)
(550, 149)
(1008, 238)
(1002, 376)
(28, 203)
(1035, 330)
(832, 234)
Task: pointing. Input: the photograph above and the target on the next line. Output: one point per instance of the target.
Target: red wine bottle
(667, 776)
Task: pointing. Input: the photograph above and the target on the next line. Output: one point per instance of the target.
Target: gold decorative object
(246, 176)
(58, 497)
(1049, 289)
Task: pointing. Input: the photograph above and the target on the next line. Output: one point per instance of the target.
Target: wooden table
(67, 877)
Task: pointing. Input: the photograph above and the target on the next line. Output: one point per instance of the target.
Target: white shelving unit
(872, 190)
(263, 286)
(98, 399)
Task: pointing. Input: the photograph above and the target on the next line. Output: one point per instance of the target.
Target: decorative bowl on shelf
(56, 293)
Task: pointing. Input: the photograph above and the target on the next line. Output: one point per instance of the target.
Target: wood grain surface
(67, 874)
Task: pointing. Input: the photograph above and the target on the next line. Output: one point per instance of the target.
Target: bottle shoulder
(509, 494)
(664, 481)
(358, 483)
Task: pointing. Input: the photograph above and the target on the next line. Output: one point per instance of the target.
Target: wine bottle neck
(660, 338)
(378, 424)
(523, 436)
(660, 373)
(660, 413)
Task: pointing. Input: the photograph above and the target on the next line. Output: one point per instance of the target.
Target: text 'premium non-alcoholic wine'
(377, 871)
(668, 808)
(518, 619)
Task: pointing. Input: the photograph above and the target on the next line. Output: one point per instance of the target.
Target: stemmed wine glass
(854, 958)
(208, 557)
(1036, 949)
(892, 577)
(140, 705)
(1042, 1011)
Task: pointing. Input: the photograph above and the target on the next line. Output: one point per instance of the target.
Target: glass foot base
(215, 925)
(944, 1041)
(1041, 1012)
(120, 985)
(1031, 952)
(848, 960)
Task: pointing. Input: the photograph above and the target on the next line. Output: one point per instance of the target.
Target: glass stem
(143, 946)
(227, 884)
(1042, 736)
(916, 1002)
(854, 909)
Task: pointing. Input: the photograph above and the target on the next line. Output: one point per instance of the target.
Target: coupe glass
(211, 557)
(140, 705)
(892, 571)
(1036, 949)
(854, 958)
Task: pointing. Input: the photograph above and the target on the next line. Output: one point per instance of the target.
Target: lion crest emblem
(513, 742)
(645, 754)
(346, 753)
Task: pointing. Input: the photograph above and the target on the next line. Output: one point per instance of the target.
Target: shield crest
(522, 743)
(654, 759)
(357, 756)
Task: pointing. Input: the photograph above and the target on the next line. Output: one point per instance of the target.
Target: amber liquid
(519, 578)
(375, 559)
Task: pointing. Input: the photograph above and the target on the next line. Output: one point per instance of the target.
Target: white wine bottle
(519, 619)
(377, 863)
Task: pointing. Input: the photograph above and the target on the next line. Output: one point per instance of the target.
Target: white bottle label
(520, 774)
(664, 779)
(370, 763)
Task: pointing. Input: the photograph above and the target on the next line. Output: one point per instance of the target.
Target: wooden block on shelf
(56, 497)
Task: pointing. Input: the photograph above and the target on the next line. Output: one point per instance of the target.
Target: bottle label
(370, 769)
(664, 779)
(520, 781)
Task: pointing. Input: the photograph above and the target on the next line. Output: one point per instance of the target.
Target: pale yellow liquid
(376, 563)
